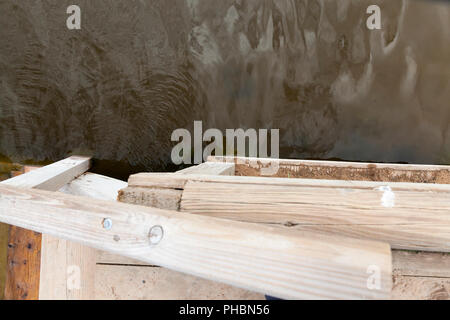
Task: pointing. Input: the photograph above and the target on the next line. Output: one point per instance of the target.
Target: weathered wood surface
(115, 282)
(421, 264)
(420, 288)
(23, 268)
(53, 176)
(23, 258)
(290, 266)
(409, 216)
(94, 186)
(55, 257)
(211, 168)
(338, 170)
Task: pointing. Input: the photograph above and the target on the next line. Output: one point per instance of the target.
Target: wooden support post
(46, 263)
(290, 265)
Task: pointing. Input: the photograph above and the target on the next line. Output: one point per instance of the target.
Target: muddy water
(137, 70)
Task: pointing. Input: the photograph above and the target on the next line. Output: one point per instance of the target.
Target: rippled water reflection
(140, 69)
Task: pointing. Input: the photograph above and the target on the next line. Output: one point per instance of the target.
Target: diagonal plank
(48, 259)
(264, 259)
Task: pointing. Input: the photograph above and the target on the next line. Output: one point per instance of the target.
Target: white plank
(95, 186)
(211, 168)
(53, 176)
(290, 265)
(316, 163)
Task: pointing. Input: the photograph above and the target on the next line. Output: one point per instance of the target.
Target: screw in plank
(156, 234)
(107, 223)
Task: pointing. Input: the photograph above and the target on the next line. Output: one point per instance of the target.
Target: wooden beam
(421, 264)
(290, 265)
(338, 170)
(50, 259)
(211, 168)
(53, 176)
(22, 278)
(409, 216)
(94, 186)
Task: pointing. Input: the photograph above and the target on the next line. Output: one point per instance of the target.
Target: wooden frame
(184, 191)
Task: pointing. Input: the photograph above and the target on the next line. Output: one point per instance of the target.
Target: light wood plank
(57, 256)
(22, 279)
(290, 265)
(211, 168)
(409, 216)
(53, 176)
(338, 170)
(95, 186)
(421, 264)
(420, 288)
(146, 283)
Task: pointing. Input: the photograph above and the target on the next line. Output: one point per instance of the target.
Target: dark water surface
(137, 70)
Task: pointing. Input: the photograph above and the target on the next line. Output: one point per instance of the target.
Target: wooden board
(421, 264)
(51, 258)
(420, 288)
(154, 283)
(94, 186)
(53, 176)
(290, 266)
(211, 168)
(409, 216)
(338, 170)
(22, 279)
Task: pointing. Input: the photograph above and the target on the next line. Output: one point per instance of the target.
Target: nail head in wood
(107, 224)
(156, 234)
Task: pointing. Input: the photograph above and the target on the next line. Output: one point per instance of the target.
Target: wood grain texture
(421, 264)
(420, 288)
(24, 253)
(211, 168)
(94, 186)
(154, 283)
(409, 216)
(23, 259)
(53, 176)
(338, 170)
(55, 258)
(290, 266)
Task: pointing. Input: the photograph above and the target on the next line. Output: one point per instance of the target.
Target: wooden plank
(290, 266)
(54, 257)
(421, 264)
(147, 283)
(409, 216)
(95, 186)
(211, 168)
(22, 279)
(420, 288)
(338, 170)
(53, 176)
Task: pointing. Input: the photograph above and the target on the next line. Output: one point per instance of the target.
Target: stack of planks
(378, 204)
(222, 230)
